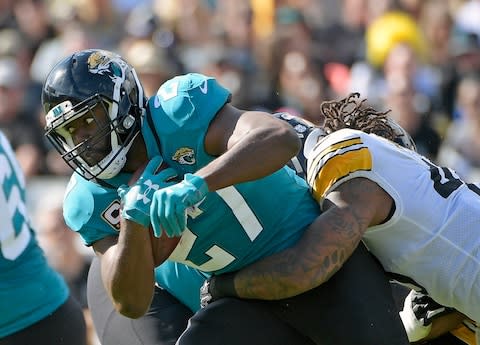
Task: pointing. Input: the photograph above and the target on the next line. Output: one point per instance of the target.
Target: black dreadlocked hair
(351, 112)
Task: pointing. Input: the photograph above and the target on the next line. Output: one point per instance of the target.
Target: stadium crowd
(419, 58)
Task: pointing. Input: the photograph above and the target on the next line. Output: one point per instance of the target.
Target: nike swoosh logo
(204, 87)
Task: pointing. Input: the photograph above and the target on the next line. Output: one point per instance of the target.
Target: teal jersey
(181, 281)
(236, 225)
(93, 211)
(29, 289)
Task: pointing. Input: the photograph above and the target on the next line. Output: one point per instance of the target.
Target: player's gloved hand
(206, 296)
(419, 311)
(169, 206)
(137, 199)
(216, 287)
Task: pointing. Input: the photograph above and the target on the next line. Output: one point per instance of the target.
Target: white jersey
(433, 236)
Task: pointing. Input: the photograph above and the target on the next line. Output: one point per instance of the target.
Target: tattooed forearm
(322, 250)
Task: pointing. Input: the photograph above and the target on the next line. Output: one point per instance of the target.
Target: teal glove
(169, 205)
(136, 200)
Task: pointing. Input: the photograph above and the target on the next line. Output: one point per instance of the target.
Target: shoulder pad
(189, 95)
(78, 202)
(91, 209)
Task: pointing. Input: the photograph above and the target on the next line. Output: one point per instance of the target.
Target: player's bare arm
(127, 266)
(322, 250)
(242, 139)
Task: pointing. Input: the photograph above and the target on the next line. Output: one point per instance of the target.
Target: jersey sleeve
(91, 210)
(179, 116)
(339, 157)
(184, 100)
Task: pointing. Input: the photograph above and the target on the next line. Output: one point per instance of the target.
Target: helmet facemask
(103, 154)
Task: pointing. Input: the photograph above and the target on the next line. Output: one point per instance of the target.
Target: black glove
(217, 287)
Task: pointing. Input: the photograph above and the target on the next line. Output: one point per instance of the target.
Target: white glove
(414, 327)
(419, 311)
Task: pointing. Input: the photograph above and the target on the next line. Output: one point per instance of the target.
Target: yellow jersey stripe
(338, 167)
(465, 334)
(338, 146)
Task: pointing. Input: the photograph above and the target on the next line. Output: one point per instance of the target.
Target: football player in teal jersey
(35, 303)
(90, 207)
(242, 202)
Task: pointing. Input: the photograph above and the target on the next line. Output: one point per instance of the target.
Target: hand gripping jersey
(432, 236)
(29, 289)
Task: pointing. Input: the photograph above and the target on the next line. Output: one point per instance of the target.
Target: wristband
(223, 286)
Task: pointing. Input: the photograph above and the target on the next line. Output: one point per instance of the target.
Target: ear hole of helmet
(128, 112)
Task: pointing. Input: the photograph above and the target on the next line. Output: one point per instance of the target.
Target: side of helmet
(401, 135)
(307, 133)
(75, 87)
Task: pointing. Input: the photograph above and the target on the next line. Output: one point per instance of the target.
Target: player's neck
(137, 155)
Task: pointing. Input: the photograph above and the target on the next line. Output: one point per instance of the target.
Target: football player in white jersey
(419, 220)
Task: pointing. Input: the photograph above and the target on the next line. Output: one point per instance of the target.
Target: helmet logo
(106, 63)
(185, 156)
(300, 129)
(63, 108)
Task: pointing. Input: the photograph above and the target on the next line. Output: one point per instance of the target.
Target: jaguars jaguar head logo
(106, 63)
(184, 155)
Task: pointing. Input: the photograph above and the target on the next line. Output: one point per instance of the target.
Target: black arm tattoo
(324, 247)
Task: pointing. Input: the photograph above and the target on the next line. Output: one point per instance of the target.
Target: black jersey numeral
(446, 181)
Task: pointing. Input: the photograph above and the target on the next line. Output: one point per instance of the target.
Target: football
(162, 246)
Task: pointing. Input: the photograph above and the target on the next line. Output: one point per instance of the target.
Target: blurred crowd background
(419, 58)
